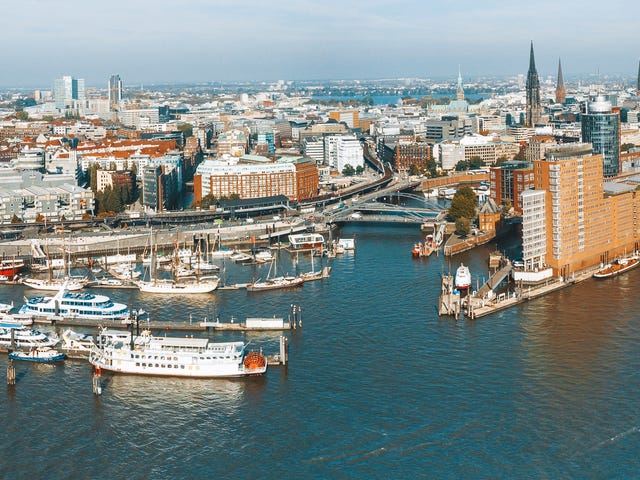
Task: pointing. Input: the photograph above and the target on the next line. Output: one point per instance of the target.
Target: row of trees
(209, 200)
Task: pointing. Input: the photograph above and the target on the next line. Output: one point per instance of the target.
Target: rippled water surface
(378, 385)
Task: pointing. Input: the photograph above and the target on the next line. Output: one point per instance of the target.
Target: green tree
(476, 162)
(463, 204)
(625, 147)
(348, 170)
(93, 177)
(463, 226)
(359, 170)
(186, 129)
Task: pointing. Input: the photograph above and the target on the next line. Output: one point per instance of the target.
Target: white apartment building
(349, 153)
(534, 231)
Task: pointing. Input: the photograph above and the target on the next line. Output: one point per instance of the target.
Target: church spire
(561, 91)
(638, 85)
(533, 93)
(460, 91)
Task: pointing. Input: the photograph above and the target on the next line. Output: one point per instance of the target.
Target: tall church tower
(533, 93)
(561, 91)
(460, 90)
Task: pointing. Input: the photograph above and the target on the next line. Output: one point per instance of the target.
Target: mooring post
(283, 350)
(11, 373)
(97, 381)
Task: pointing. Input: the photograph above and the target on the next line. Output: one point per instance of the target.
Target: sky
(153, 41)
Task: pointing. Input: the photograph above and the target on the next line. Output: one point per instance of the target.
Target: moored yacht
(25, 338)
(463, 277)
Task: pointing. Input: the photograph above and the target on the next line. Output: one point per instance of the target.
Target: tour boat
(11, 267)
(463, 278)
(39, 355)
(305, 241)
(25, 338)
(619, 266)
(14, 320)
(177, 356)
(75, 305)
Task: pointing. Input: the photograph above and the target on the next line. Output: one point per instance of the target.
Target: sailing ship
(275, 282)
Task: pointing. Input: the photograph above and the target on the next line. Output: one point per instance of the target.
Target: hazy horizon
(200, 41)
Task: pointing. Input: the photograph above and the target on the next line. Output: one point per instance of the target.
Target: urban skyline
(225, 41)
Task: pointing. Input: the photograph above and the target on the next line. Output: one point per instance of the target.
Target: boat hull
(29, 357)
(617, 268)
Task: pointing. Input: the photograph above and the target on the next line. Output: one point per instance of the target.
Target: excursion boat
(11, 267)
(178, 357)
(619, 266)
(306, 241)
(25, 338)
(14, 320)
(67, 304)
(39, 355)
(5, 307)
(463, 278)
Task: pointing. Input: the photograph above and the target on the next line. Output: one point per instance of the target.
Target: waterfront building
(507, 182)
(67, 91)
(588, 222)
(115, 92)
(534, 232)
(561, 91)
(295, 177)
(534, 107)
(601, 128)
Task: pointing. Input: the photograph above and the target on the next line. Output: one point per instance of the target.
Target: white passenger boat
(25, 338)
(12, 320)
(306, 241)
(5, 307)
(177, 356)
(67, 304)
(463, 277)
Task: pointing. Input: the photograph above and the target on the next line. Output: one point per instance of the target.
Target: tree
(15, 219)
(359, 170)
(463, 204)
(39, 218)
(348, 170)
(93, 176)
(186, 129)
(625, 147)
(463, 226)
(521, 154)
(475, 163)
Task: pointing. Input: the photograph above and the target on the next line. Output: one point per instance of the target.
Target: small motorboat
(38, 355)
(5, 307)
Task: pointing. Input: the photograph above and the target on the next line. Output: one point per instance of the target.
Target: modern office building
(601, 128)
(534, 107)
(66, 90)
(115, 92)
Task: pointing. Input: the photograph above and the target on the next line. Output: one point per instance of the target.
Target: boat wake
(617, 437)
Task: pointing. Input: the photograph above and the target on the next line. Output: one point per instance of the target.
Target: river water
(378, 385)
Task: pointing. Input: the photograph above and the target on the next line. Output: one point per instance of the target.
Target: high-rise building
(561, 91)
(587, 222)
(66, 90)
(115, 92)
(533, 93)
(601, 128)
